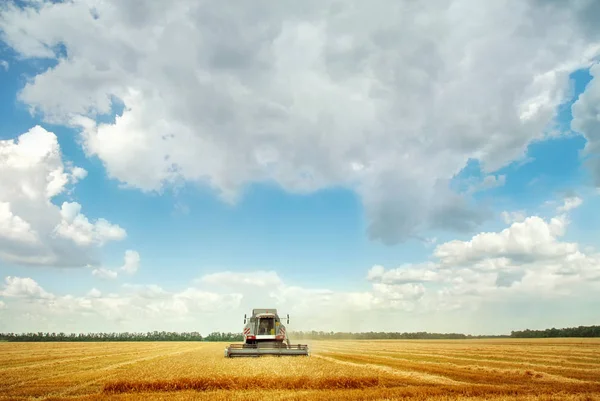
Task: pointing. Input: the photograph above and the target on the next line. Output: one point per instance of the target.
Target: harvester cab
(265, 334)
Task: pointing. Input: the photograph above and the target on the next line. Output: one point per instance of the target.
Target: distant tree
(581, 331)
(126, 336)
(229, 337)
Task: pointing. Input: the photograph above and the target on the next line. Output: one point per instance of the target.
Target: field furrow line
(544, 374)
(408, 374)
(104, 368)
(72, 389)
(54, 376)
(590, 362)
(467, 374)
(28, 349)
(69, 360)
(495, 361)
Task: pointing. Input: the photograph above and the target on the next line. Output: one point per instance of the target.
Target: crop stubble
(504, 369)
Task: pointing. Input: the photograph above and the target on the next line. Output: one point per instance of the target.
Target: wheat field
(506, 369)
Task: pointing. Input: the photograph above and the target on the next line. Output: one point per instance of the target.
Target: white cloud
(78, 228)
(33, 230)
(533, 237)
(526, 261)
(132, 262)
(18, 287)
(512, 217)
(235, 279)
(32, 167)
(2, 305)
(4, 64)
(13, 227)
(572, 202)
(209, 306)
(77, 174)
(427, 272)
(312, 303)
(141, 306)
(130, 266)
(103, 273)
(389, 100)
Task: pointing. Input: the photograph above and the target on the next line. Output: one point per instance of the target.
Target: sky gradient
(398, 166)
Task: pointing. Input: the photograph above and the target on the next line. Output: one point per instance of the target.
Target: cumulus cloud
(268, 288)
(389, 100)
(511, 217)
(103, 273)
(138, 305)
(13, 227)
(406, 274)
(33, 230)
(130, 266)
(214, 303)
(258, 278)
(132, 262)
(77, 227)
(23, 287)
(533, 237)
(570, 203)
(4, 64)
(527, 259)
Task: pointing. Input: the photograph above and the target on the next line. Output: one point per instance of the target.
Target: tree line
(581, 331)
(126, 336)
(320, 335)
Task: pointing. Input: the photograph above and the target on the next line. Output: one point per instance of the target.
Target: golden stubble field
(507, 369)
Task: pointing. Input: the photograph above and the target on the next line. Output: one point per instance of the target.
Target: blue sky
(377, 162)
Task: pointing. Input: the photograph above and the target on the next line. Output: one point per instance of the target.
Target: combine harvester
(264, 334)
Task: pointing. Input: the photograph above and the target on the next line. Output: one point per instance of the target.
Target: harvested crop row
(578, 373)
(479, 375)
(242, 383)
(485, 358)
